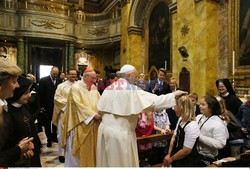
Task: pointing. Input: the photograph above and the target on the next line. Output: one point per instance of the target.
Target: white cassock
(120, 105)
(60, 101)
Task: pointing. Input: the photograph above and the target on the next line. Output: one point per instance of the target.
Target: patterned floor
(49, 156)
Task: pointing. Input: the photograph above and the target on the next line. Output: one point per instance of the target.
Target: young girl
(161, 126)
(235, 140)
(213, 131)
(182, 151)
(144, 127)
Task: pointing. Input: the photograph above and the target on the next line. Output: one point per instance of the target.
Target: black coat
(47, 92)
(9, 151)
(25, 127)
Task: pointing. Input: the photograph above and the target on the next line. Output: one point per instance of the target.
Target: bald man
(119, 106)
(47, 88)
(81, 122)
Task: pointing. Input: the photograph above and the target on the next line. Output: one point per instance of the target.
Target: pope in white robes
(119, 106)
(60, 101)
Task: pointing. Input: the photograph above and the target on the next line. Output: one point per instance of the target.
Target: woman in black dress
(24, 124)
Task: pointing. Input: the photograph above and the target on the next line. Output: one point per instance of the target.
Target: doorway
(45, 56)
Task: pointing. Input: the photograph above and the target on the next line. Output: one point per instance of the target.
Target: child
(161, 125)
(244, 117)
(144, 127)
(194, 98)
(182, 151)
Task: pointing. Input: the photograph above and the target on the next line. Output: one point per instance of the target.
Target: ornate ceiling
(96, 6)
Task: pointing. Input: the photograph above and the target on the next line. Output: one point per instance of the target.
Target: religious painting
(159, 37)
(244, 32)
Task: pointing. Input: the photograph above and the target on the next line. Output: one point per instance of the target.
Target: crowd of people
(96, 121)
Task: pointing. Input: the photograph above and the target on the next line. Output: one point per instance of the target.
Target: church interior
(195, 41)
(146, 34)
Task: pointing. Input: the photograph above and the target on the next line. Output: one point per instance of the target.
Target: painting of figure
(159, 37)
(244, 28)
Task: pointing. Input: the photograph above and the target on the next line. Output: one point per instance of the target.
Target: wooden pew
(236, 157)
(153, 138)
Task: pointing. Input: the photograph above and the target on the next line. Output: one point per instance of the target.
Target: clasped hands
(26, 147)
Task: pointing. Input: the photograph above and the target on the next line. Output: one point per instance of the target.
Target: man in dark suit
(159, 86)
(47, 88)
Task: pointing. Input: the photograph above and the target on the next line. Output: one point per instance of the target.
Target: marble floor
(49, 155)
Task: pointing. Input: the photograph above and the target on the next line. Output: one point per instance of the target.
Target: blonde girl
(182, 150)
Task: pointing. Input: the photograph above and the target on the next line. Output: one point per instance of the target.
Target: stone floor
(49, 155)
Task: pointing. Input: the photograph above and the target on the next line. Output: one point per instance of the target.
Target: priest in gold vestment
(81, 122)
(60, 101)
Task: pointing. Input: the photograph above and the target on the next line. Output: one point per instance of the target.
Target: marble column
(26, 58)
(71, 55)
(20, 54)
(66, 64)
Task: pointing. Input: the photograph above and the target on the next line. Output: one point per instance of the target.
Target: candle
(142, 68)
(166, 65)
(233, 63)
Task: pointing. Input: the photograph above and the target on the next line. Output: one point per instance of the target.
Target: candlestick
(142, 68)
(166, 65)
(233, 63)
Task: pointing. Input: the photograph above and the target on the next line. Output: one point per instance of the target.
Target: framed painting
(159, 37)
(240, 35)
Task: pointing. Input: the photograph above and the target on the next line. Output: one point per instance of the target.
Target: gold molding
(98, 31)
(47, 24)
(234, 36)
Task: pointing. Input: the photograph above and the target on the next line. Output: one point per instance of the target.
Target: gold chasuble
(60, 101)
(81, 107)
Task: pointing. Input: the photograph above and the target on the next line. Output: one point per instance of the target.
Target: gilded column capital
(20, 39)
(135, 30)
(173, 8)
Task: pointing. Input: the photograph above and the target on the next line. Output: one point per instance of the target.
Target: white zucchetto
(126, 69)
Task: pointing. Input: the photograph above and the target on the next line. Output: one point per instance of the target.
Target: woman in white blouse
(213, 131)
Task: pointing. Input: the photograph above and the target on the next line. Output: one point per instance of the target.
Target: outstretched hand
(179, 93)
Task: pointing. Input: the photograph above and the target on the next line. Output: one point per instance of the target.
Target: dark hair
(213, 104)
(111, 76)
(71, 70)
(227, 84)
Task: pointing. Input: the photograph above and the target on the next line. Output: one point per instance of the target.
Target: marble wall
(195, 26)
